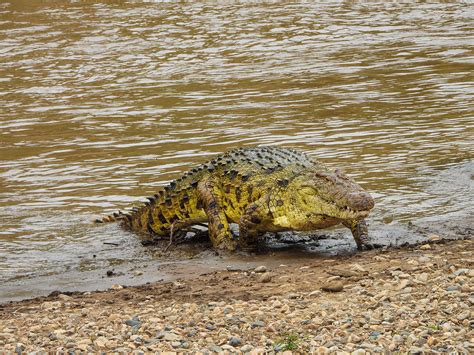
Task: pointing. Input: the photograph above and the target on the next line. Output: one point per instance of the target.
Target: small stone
(19, 348)
(404, 283)
(266, 277)
(459, 272)
(134, 322)
(397, 339)
(415, 350)
(246, 348)
(422, 277)
(446, 326)
(168, 336)
(64, 297)
(235, 341)
(136, 339)
(434, 238)
(463, 315)
(100, 342)
(452, 288)
(332, 287)
(116, 287)
(261, 268)
(257, 324)
(425, 247)
(358, 352)
(322, 350)
(176, 344)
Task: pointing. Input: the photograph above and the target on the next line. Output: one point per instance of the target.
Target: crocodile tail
(116, 216)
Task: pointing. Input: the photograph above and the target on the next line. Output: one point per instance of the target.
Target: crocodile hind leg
(219, 231)
(360, 233)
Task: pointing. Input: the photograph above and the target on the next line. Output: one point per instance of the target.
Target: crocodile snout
(360, 201)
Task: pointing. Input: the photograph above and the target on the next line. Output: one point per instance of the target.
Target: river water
(100, 104)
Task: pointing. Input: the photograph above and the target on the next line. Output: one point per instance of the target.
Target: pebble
(332, 287)
(246, 348)
(266, 277)
(261, 268)
(235, 341)
(434, 238)
(257, 324)
(134, 322)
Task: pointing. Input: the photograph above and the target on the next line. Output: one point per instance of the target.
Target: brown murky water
(102, 103)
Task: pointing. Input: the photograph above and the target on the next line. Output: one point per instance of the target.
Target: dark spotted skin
(263, 189)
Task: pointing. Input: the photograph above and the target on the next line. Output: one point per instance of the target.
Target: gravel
(416, 300)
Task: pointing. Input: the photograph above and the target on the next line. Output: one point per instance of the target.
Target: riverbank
(409, 299)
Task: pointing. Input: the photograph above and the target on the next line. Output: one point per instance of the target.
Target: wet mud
(195, 258)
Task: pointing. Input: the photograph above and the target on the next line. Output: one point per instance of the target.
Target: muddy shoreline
(95, 272)
(416, 298)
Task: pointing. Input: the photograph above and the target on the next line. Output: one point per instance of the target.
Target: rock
(463, 315)
(51, 305)
(228, 309)
(246, 348)
(434, 238)
(19, 348)
(232, 268)
(422, 277)
(397, 339)
(134, 322)
(168, 336)
(322, 350)
(64, 297)
(332, 287)
(446, 326)
(358, 267)
(261, 268)
(100, 342)
(215, 348)
(235, 341)
(342, 272)
(425, 247)
(452, 288)
(459, 272)
(404, 283)
(257, 324)
(210, 327)
(116, 287)
(266, 277)
(176, 344)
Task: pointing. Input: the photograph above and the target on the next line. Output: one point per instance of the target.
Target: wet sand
(413, 298)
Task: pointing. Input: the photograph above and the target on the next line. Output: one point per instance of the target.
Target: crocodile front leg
(249, 223)
(359, 232)
(219, 231)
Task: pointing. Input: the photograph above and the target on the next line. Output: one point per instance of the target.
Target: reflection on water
(103, 103)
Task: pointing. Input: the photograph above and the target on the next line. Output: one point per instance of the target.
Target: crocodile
(262, 189)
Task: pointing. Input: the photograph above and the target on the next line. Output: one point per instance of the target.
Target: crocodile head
(332, 194)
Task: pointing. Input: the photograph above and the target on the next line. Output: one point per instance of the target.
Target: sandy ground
(413, 299)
